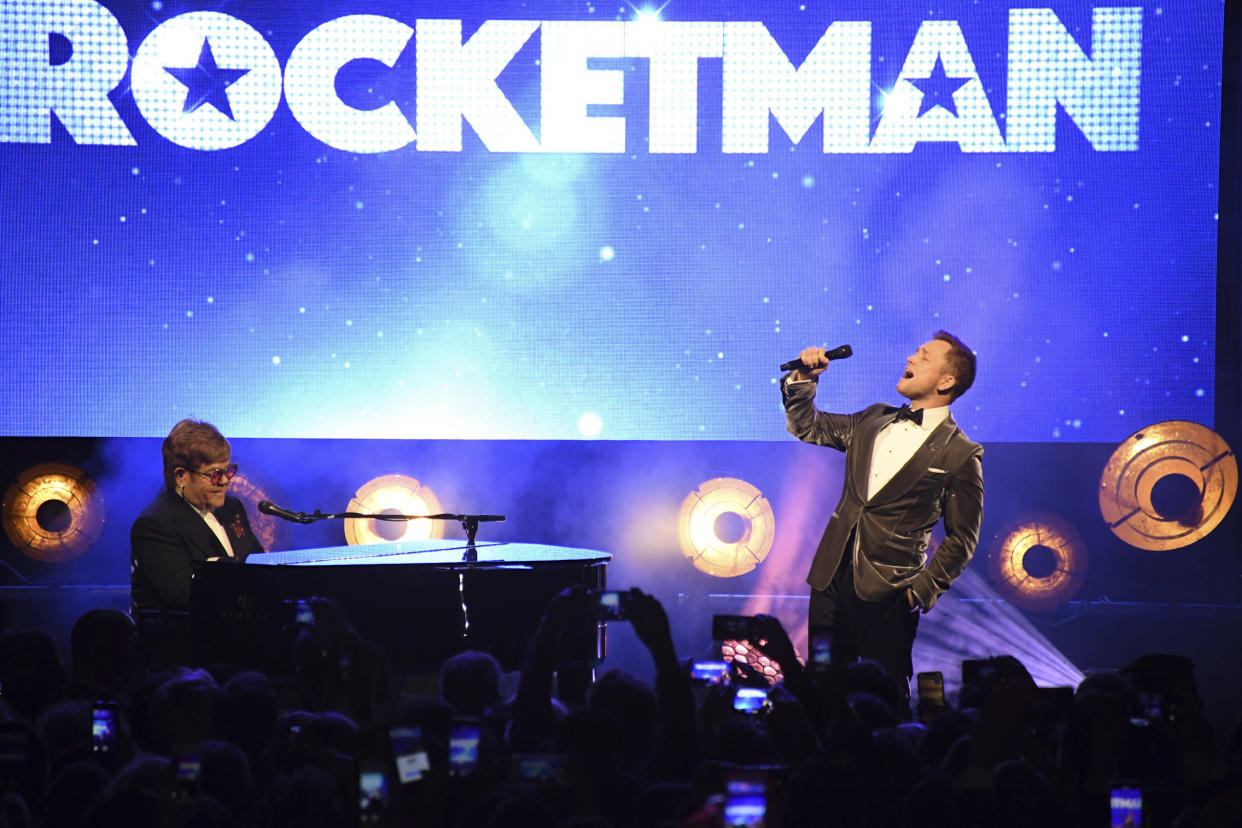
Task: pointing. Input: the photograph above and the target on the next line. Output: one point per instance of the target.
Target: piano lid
(430, 552)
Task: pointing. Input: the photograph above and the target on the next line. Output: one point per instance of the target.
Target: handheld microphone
(836, 353)
(267, 507)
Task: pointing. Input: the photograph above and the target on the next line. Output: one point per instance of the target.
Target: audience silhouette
(113, 741)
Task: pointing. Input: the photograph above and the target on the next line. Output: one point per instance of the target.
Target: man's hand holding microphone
(812, 362)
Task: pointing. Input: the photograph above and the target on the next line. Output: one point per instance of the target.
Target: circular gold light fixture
(54, 512)
(395, 494)
(1038, 562)
(1168, 485)
(726, 527)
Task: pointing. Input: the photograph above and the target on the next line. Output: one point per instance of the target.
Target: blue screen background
(283, 288)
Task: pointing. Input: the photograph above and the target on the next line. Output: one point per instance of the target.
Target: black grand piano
(420, 601)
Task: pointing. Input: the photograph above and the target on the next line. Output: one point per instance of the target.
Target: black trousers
(881, 631)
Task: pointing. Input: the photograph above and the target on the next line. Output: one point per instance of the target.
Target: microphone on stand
(267, 507)
(794, 364)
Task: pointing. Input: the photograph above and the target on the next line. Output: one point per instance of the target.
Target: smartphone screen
(188, 766)
(821, 650)
(1127, 807)
(746, 803)
(408, 753)
(185, 775)
(980, 672)
(614, 605)
(103, 729)
(536, 768)
(464, 747)
(931, 688)
(750, 699)
(372, 795)
(708, 672)
(733, 627)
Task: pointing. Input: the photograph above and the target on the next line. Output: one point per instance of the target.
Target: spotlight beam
(970, 621)
(973, 621)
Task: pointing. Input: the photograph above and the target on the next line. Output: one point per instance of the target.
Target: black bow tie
(907, 413)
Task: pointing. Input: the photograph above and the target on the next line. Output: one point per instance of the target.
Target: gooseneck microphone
(267, 507)
(794, 364)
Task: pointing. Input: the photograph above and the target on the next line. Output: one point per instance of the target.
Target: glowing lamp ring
(696, 527)
(397, 493)
(1006, 562)
(1162, 450)
(53, 483)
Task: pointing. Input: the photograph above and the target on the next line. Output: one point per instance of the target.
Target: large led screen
(576, 219)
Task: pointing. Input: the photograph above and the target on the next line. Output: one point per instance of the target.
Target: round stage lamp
(1038, 562)
(251, 487)
(394, 494)
(54, 512)
(1168, 485)
(726, 527)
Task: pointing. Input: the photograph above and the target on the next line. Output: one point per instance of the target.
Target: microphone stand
(469, 523)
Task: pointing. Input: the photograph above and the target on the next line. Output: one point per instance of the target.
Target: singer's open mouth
(908, 374)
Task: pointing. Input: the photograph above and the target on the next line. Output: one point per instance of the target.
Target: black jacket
(168, 537)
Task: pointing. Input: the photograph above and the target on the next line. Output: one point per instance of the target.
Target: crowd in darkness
(118, 739)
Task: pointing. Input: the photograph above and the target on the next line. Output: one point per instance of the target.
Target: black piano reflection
(417, 600)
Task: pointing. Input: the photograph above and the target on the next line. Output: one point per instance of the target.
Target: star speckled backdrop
(282, 287)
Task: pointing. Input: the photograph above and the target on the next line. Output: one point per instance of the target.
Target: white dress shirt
(896, 444)
(216, 527)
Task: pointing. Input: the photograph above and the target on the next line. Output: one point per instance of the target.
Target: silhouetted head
(470, 682)
(101, 648)
(181, 709)
(245, 712)
(30, 671)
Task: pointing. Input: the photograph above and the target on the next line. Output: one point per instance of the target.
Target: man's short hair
(961, 362)
(189, 445)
